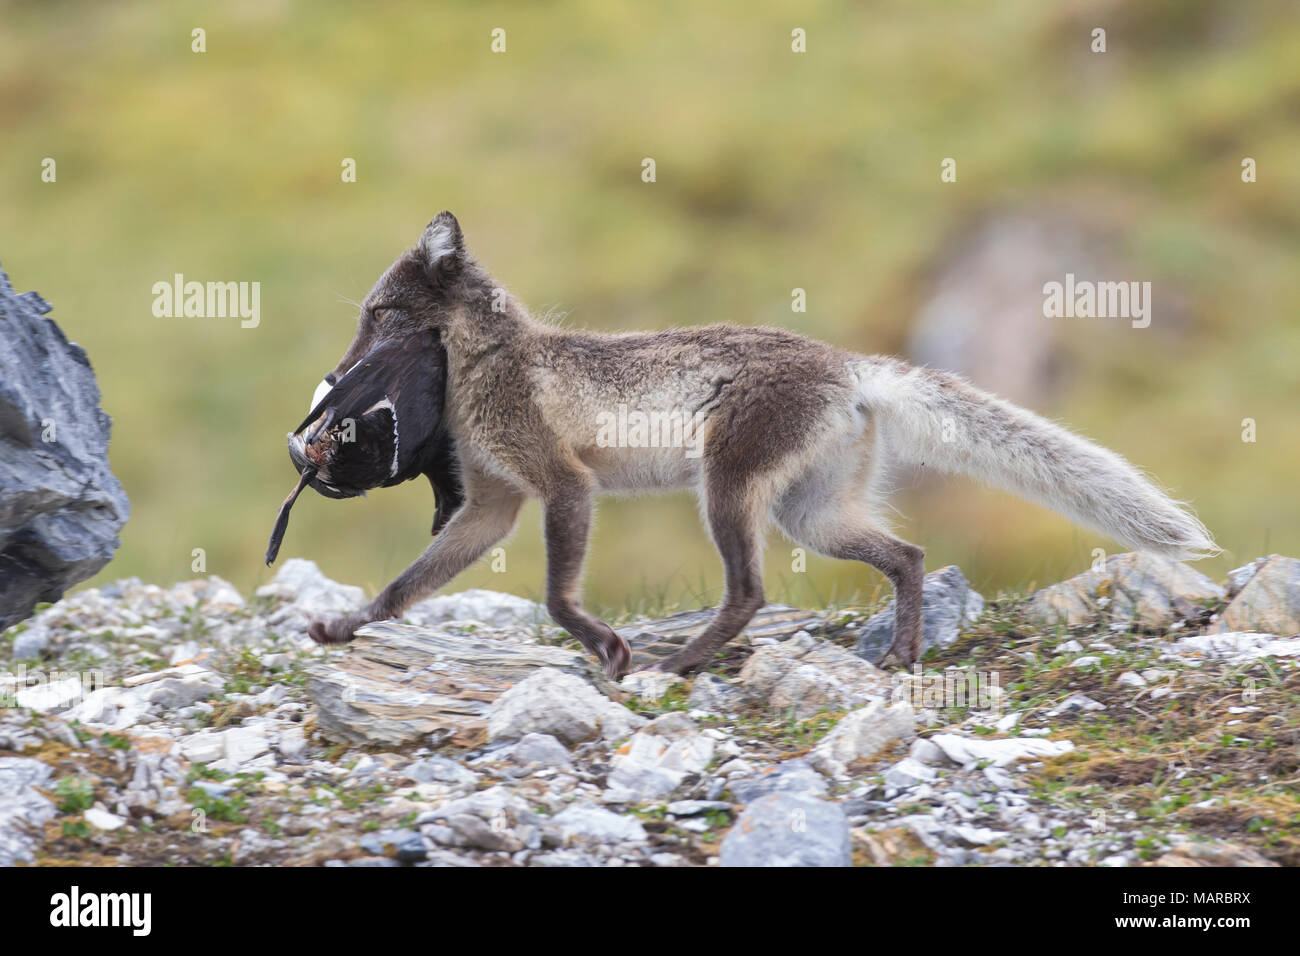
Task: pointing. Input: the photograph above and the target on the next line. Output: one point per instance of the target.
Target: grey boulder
(61, 508)
(1139, 589)
(23, 810)
(947, 606)
(789, 829)
(1268, 599)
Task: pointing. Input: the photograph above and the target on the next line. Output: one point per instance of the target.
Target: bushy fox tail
(939, 420)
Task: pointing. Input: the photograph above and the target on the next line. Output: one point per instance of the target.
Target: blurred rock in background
(981, 311)
(979, 317)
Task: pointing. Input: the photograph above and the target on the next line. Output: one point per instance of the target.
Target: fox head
(426, 288)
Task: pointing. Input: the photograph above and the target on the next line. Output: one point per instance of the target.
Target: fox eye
(379, 314)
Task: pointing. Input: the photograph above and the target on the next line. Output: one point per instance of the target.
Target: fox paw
(897, 657)
(615, 654)
(338, 631)
(680, 663)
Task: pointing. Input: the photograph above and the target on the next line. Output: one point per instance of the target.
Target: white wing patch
(322, 390)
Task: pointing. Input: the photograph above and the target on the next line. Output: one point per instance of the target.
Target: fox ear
(443, 245)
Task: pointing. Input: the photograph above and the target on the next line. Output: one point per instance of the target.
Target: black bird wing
(411, 374)
(418, 392)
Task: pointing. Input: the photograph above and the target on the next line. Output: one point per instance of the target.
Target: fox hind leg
(904, 565)
(830, 514)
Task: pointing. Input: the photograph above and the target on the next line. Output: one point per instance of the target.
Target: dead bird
(377, 426)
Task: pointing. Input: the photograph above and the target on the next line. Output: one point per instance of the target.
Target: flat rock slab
(1234, 646)
(1216, 853)
(1146, 590)
(398, 683)
(655, 640)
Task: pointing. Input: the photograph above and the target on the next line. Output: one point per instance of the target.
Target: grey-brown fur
(793, 432)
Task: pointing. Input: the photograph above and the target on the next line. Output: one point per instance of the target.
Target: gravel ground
(1111, 720)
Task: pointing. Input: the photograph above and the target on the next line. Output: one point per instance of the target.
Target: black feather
(282, 518)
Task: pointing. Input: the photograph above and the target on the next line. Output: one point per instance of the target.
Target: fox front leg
(471, 531)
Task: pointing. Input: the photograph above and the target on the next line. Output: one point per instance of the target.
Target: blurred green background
(775, 170)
